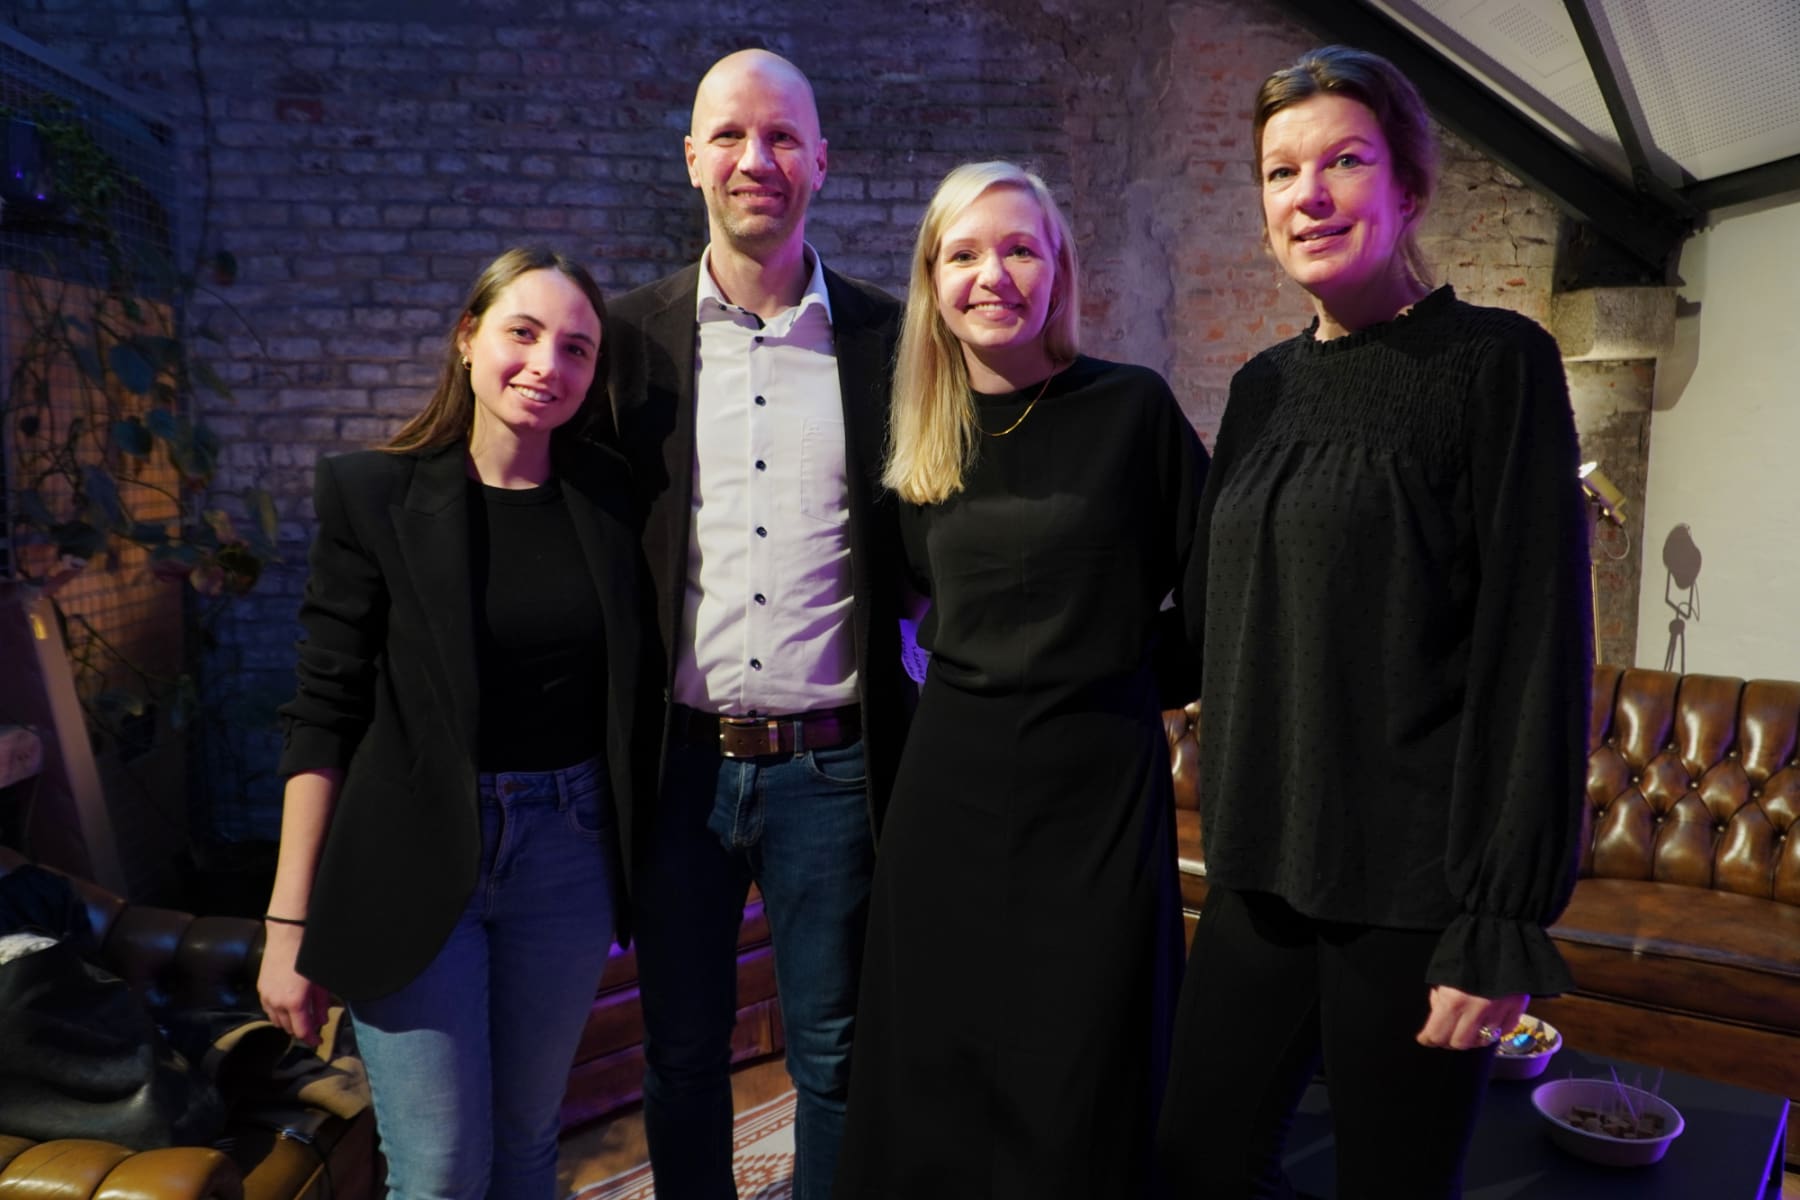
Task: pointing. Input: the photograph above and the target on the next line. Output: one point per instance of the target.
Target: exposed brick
(472, 241)
(362, 241)
(367, 163)
(369, 374)
(369, 431)
(303, 398)
(292, 347)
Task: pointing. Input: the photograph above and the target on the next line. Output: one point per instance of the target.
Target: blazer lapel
(863, 366)
(862, 362)
(670, 333)
(433, 523)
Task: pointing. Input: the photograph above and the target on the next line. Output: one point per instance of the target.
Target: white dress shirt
(768, 598)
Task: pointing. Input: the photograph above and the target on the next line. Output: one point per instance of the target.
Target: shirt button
(761, 599)
(756, 664)
(761, 532)
(760, 402)
(761, 465)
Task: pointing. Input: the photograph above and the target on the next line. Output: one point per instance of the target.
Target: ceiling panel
(1713, 86)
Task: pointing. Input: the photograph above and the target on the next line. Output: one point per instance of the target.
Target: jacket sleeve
(1516, 793)
(344, 622)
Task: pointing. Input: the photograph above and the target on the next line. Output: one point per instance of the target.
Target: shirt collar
(710, 303)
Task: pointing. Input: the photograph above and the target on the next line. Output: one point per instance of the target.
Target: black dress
(1024, 932)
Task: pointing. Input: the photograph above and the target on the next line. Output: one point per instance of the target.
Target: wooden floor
(607, 1148)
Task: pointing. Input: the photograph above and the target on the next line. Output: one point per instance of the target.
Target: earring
(466, 363)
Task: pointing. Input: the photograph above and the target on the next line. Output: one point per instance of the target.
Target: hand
(294, 1002)
(1457, 1018)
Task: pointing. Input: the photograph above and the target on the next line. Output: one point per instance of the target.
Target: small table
(1731, 1148)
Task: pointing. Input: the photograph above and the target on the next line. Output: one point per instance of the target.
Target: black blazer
(388, 693)
(651, 339)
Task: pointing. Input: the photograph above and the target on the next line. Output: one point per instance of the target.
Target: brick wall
(367, 158)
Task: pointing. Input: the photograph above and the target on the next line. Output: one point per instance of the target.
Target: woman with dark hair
(457, 817)
(1396, 669)
(1023, 939)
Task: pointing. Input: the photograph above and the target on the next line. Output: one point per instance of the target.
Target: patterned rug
(762, 1159)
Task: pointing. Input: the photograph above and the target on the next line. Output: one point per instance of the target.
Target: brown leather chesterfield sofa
(177, 961)
(1684, 929)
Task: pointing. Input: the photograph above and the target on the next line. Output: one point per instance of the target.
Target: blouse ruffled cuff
(1498, 956)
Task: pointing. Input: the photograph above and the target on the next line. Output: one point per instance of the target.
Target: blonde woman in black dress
(1024, 924)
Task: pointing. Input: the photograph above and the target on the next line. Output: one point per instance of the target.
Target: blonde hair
(932, 434)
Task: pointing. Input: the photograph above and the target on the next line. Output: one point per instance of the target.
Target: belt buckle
(768, 724)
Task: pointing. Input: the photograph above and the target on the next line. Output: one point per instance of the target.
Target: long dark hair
(1378, 86)
(451, 413)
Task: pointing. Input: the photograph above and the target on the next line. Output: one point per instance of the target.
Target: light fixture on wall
(1599, 490)
(1607, 504)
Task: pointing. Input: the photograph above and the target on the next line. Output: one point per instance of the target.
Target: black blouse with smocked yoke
(1398, 637)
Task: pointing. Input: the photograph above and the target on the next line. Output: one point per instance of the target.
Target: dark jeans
(1270, 992)
(799, 827)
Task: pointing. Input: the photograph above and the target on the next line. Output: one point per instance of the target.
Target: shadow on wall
(1681, 592)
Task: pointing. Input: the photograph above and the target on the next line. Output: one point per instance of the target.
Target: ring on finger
(1488, 1035)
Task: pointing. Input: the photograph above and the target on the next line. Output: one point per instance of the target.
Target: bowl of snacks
(1607, 1122)
(1526, 1049)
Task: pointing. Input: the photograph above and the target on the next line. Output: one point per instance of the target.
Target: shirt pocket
(824, 492)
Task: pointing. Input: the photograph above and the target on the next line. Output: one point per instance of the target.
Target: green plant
(110, 461)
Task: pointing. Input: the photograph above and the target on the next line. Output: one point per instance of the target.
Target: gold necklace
(1028, 408)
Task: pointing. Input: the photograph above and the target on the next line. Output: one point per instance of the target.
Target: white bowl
(1553, 1101)
(1527, 1066)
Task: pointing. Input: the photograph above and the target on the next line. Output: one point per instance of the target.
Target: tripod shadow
(1681, 592)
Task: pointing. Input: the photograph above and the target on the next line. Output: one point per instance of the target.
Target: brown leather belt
(753, 737)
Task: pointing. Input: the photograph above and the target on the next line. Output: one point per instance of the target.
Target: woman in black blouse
(1397, 656)
(459, 751)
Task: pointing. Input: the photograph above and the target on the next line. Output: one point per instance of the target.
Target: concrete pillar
(1610, 340)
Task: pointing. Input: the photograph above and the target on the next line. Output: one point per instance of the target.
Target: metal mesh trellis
(36, 90)
(87, 243)
(43, 233)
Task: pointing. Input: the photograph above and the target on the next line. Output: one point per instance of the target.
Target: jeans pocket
(589, 813)
(841, 765)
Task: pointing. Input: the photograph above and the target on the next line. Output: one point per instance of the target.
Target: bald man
(750, 392)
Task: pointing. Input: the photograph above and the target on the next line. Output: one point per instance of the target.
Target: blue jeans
(469, 1061)
(798, 827)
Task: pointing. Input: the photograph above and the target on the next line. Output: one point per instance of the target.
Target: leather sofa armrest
(82, 1169)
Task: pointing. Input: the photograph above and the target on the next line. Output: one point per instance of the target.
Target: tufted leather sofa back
(1695, 779)
(1692, 779)
(1182, 725)
(172, 960)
